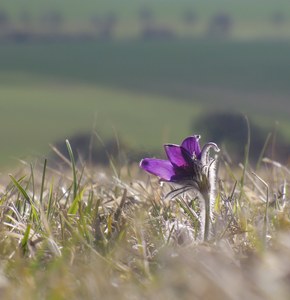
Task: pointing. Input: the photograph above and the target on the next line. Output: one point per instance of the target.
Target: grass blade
(25, 240)
(73, 164)
(247, 151)
(42, 181)
(75, 204)
(26, 197)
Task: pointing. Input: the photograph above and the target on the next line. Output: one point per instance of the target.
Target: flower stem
(206, 215)
(207, 222)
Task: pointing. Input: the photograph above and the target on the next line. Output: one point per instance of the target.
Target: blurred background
(141, 73)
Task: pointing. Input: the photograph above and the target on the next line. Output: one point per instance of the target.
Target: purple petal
(191, 144)
(177, 155)
(159, 167)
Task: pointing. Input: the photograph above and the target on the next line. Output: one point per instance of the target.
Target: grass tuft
(91, 234)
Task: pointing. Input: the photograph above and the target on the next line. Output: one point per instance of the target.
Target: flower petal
(159, 167)
(191, 144)
(177, 155)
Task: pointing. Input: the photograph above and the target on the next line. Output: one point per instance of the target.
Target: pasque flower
(190, 167)
(187, 164)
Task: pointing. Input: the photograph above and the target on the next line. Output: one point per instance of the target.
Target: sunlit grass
(91, 233)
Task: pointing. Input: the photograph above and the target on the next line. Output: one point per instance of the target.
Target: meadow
(81, 233)
(75, 231)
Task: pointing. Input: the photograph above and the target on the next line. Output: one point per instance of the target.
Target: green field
(32, 116)
(171, 68)
(149, 92)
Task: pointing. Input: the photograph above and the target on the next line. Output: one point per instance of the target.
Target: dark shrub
(89, 149)
(18, 36)
(278, 18)
(231, 131)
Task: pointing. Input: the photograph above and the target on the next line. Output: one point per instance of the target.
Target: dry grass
(88, 234)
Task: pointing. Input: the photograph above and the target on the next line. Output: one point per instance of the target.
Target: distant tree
(52, 19)
(150, 29)
(146, 15)
(4, 19)
(220, 25)
(107, 25)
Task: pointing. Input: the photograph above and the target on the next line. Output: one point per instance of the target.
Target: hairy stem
(207, 216)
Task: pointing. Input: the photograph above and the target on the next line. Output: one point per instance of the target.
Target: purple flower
(194, 169)
(187, 164)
